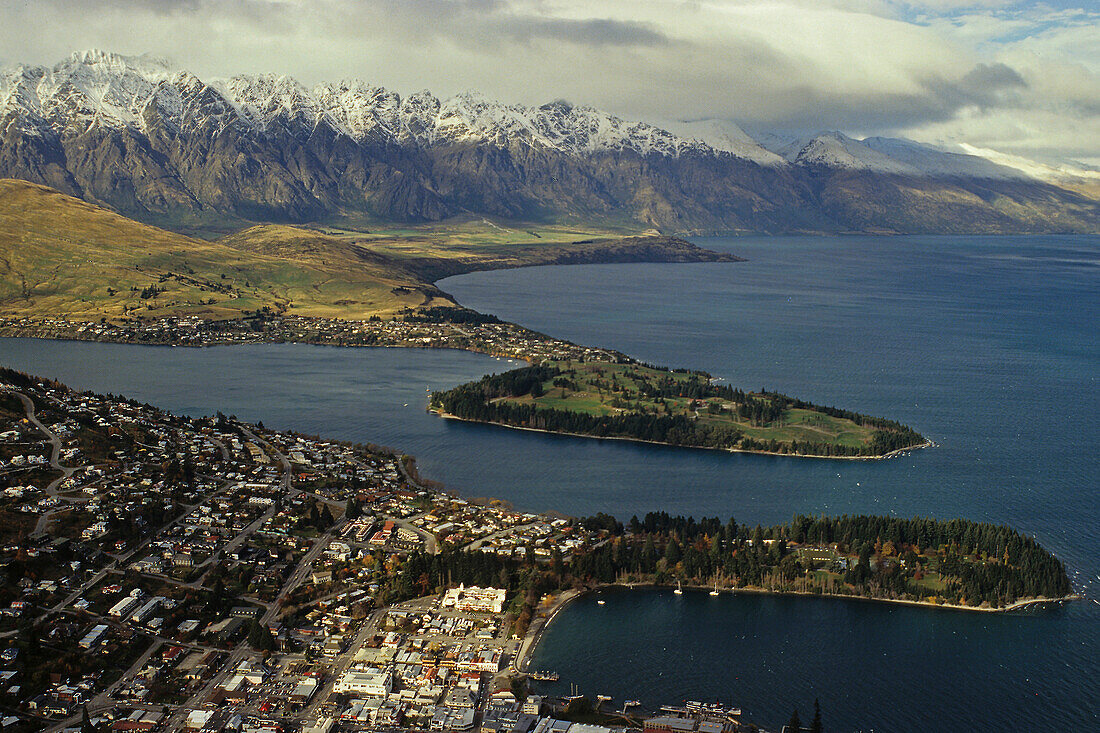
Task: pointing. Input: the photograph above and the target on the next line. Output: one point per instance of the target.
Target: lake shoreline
(534, 636)
(68, 333)
(884, 456)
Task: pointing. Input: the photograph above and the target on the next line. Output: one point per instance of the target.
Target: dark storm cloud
(493, 21)
(596, 32)
(939, 99)
(985, 85)
(993, 76)
(486, 19)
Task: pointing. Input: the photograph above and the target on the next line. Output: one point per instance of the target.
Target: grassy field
(807, 425)
(62, 257)
(615, 389)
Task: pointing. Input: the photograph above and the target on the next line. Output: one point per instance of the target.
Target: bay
(987, 345)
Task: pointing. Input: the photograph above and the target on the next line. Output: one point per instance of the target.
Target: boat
(601, 602)
(631, 704)
(711, 710)
(715, 591)
(679, 589)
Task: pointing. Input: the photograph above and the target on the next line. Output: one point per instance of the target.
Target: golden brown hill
(60, 256)
(63, 257)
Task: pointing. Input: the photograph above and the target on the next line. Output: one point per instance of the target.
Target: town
(168, 573)
(436, 328)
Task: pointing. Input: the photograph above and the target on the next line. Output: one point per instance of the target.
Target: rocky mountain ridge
(159, 144)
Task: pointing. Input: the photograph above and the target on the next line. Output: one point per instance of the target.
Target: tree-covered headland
(677, 407)
(955, 562)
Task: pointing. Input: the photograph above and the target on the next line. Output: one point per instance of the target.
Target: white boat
(601, 602)
(715, 591)
(679, 590)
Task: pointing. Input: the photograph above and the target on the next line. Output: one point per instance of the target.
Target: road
(103, 701)
(431, 544)
(368, 629)
(298, 576)
(476, 544)
(243, 650)
(55, 461)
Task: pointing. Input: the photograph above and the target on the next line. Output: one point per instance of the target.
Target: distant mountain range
(160, 145)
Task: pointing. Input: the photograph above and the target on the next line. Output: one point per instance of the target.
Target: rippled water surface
(987, 345)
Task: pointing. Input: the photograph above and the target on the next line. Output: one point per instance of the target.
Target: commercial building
(487, 600)
(369, 682)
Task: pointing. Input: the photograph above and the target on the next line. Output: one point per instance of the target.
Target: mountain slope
(160, 145)
(63, 257)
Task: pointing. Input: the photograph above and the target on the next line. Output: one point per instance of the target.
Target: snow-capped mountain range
(99, 88)
(153, 140)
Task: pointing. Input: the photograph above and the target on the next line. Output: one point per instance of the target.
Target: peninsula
(955, 563)
(73, 270)
(633, 401)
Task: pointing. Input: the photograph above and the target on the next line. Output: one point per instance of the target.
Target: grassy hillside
(62, 257)
(677, 407)
(468, 244)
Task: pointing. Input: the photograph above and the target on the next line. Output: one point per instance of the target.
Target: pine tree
(794, 725)
(260, 638)
(815, 726)
(672, 552)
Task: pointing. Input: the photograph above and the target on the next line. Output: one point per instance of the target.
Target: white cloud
(988, 73)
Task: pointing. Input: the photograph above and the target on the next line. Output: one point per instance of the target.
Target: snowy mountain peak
(146, 64)
(94, 69)
(837, 150)
(88, 88)
(934, 162)
(97, 87)
(159, 143)
(726, 136)
(101, 88)
(266, 98)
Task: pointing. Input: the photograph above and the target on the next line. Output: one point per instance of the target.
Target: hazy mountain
(159, 144)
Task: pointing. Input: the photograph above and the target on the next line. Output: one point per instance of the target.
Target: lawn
(603, 389)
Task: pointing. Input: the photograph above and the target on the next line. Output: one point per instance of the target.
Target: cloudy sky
(1022, 78)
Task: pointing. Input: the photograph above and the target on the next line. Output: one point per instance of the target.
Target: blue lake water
(987, 345)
